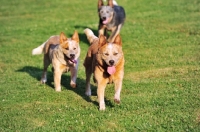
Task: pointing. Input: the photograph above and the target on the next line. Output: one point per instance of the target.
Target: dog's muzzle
(71, 59)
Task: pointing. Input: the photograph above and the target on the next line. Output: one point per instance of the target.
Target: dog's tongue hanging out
(111, 70)
(105, 21)
(74, 61)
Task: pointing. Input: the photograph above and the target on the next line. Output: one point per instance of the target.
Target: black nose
(104, 18)
(111, 62)
(72, 55)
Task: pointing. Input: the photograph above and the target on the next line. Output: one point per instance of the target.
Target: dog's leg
(88, 71)
(106, 33)
(100, 92)
(101, 29)
(57, 80)
(46, 62)
(115, 32)
(73, 78)
(118, 87)
(74, 71)
(101, 85)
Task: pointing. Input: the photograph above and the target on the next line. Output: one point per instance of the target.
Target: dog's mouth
(73, 61)
(105, 20)
(111, 69)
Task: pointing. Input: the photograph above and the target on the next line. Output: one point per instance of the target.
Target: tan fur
(64, 54)
(97, 60)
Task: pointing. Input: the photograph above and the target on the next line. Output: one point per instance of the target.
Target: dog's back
(119, 15)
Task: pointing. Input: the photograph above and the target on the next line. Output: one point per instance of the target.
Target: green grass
(161, 87)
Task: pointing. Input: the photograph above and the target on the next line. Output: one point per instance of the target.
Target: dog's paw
(58, 89)
(73, 85)
(117, 101)
(43, 81)
(88, 93)
(102, 107)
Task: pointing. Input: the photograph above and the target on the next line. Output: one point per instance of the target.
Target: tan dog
(64, 54)
(106, 62)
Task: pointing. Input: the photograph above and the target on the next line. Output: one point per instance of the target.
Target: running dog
(111, 17)
(64, 54)
(106, 62)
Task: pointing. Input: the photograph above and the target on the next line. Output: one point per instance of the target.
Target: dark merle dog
(111, 17)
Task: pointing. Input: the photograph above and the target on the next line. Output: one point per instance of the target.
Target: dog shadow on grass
(65, 83)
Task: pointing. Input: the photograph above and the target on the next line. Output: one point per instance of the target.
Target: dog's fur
(64, 54)
(111, 17)
(106, 61)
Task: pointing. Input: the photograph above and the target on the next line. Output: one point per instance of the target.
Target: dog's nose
(104, 18)
(111, 62)
(72, 55)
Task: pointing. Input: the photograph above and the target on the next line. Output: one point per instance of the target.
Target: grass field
(161, 87)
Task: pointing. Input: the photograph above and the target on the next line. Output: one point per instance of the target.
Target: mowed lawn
(161, 86)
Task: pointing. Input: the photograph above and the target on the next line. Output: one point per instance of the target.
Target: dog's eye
(67, 48)
(115, 54)
(107, 11)
(74, 48)
(106, 54)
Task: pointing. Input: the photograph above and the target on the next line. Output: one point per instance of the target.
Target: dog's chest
(110, 26)
(110, 79)
(64, 68)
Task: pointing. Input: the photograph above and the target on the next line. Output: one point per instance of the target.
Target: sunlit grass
(161, 44)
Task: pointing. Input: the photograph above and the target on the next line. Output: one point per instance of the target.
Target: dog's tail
(114, 2)
(39, 49)
(90, 35)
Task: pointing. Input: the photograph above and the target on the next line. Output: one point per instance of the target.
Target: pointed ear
(62, 37)
(110, 3)
(100, 3)
(75, 37)
(102, 40)
(118, 40)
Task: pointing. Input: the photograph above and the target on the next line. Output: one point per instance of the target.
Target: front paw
(88, 93)
(58, 89)
(102, 107)
(73, 85)
(117, 101)
(43, 80)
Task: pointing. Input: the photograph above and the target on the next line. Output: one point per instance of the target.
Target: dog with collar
(111, 17)
(64, 54)
(106, 61)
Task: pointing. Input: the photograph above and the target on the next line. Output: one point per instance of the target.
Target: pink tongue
(111, 70)
(105, 21)
(74, 61)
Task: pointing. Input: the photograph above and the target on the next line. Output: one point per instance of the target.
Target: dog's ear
(62, 37)
(118, 40)
(100, 3)
(110, 3)
(102, 40)
(75, 37)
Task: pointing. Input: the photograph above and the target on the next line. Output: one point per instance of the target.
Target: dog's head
(105, 12)
(70, 47)
(110, 54)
